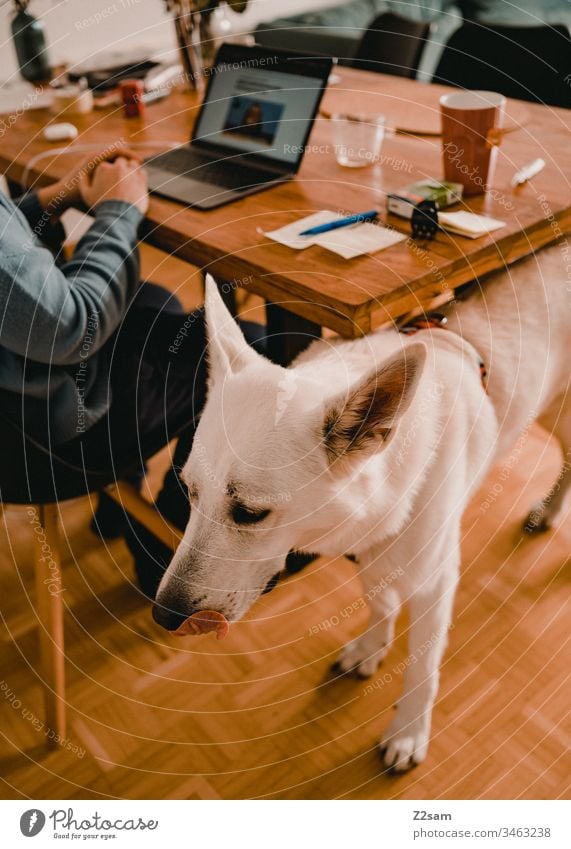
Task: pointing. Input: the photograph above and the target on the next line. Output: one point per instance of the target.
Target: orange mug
(472, 123)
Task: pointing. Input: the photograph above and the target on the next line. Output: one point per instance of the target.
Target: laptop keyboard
(230, 175)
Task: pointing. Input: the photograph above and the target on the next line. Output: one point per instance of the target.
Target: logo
(32, 822)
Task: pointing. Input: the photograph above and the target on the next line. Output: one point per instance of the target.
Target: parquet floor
(257, 715)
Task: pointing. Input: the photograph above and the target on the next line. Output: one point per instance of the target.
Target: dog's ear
(228, 351)
(366, 417)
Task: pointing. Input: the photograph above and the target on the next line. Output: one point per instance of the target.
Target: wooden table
(314, 285)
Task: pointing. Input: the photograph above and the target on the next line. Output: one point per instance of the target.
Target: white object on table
(527, 172)
(18, 97)
(60, 132)
(73, 100)
(347, 242)
(468, 224)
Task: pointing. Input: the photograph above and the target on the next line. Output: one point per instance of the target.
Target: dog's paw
(358, 659)
(404, 748)
(538, 520)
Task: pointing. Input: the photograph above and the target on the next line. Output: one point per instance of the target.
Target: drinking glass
(357, 139)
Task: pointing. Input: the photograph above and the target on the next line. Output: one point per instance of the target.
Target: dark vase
(31, 50)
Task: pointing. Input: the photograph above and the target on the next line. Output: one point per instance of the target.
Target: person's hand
(122, 179)
(66, 192)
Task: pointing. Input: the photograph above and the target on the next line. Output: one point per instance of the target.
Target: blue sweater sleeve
(50, 232)
(62, 315)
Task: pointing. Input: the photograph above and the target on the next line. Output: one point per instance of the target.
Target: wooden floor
(257, 716)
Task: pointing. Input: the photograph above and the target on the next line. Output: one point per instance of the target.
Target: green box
(443, 194)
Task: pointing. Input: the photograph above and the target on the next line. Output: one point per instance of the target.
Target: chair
(528, 63)
(31, 474)
(392, 45)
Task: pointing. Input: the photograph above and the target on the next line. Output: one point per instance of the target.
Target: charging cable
(87, 148)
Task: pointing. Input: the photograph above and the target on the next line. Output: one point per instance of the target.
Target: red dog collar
(437, 321)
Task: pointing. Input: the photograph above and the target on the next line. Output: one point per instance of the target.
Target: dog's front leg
(405, 743)
(363, 655)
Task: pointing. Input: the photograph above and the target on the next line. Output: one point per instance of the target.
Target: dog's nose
(168, 616)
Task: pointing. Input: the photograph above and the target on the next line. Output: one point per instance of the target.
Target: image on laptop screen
(260, 109)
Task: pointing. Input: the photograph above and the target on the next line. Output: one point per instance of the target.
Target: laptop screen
(262, 102)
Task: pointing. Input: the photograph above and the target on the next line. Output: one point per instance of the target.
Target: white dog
(371, 447)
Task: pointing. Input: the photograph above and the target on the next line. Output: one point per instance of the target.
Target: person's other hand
(66, 192)
(123, 179)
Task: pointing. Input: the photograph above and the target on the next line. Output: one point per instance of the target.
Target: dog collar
(437, 321)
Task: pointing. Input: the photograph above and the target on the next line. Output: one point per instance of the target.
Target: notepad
(347, 242)
(468, 224)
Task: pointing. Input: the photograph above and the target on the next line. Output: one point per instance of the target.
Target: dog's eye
(244, 516)
(193, 493)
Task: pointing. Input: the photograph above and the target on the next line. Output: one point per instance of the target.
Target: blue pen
(343, 222)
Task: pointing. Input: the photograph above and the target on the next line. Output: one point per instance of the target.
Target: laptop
(252, 128)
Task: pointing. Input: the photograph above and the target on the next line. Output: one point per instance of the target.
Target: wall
(78, 29)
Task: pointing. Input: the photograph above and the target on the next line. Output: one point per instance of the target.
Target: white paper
(468, 224)
(289, 235)
(347, 242)
(20, 96)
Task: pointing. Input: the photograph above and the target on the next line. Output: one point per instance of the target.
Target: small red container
(132, 95)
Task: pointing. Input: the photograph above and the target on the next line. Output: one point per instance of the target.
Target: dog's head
(270, 446)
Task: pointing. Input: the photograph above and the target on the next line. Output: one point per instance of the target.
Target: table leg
(288, 334)
(228, 295)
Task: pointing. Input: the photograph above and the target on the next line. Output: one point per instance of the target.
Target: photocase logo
(32, 822)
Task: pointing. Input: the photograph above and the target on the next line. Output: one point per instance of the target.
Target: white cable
(85, 148)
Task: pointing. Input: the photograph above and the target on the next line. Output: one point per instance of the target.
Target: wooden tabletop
(347, 296)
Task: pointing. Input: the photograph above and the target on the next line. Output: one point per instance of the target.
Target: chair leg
(146, 513)
(50, 619)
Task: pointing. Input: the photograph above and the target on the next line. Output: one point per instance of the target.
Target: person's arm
(43, 207)
(52, 313)
(62, 316)
(40, 216)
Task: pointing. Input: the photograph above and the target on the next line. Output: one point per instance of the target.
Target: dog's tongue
(202, 623)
